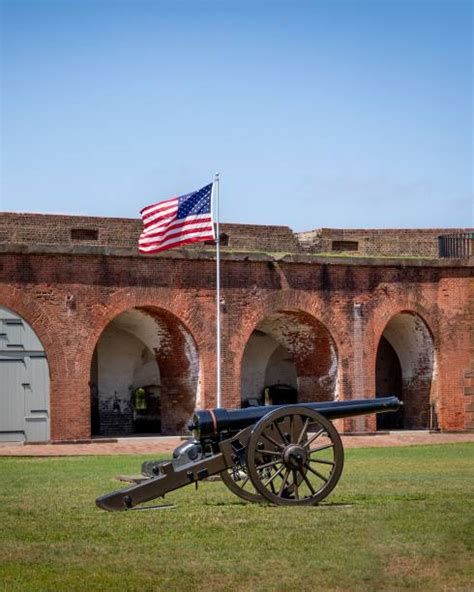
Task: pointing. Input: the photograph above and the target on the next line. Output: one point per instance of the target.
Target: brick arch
(165, 302)
(45, 326)
(288, 300)
(176, 352)
(304, 310)
(37, 317)
(384, 313)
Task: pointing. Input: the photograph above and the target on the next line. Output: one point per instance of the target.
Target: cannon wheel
(237, 477)
(306, 453)
(238, 481)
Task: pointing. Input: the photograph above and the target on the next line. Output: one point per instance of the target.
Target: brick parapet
(401, 242)
(80, 232)
(73, 232)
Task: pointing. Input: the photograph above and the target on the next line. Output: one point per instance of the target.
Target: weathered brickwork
(376, 242)
(330, 314)
(85, 231)
(469, 375)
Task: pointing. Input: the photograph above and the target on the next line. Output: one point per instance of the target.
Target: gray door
(24, 382)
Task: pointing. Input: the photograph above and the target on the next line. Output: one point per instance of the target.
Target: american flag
(178, 221)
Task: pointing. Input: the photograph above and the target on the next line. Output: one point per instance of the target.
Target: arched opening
(144, 375)
(404, 367)
(290, 357)
(24, 376)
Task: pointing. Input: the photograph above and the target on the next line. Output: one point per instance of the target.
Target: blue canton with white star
(193, 204)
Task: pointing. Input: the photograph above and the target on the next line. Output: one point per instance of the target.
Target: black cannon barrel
(209, 422)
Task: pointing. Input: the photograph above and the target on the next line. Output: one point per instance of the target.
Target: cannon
(279, 454)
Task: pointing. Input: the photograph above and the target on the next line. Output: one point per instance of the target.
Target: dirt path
(154, 446)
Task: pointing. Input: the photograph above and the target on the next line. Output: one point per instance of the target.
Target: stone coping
(235, 255)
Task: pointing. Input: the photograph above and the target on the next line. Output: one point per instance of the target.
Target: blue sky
(316, 114)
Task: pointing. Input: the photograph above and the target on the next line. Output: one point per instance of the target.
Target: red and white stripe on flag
(176, 222)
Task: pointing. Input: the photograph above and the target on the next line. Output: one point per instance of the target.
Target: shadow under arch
(289, 350)
(404, 366)
(25, 380)
(145, 374)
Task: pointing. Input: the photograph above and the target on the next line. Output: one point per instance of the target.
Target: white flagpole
(218, 294)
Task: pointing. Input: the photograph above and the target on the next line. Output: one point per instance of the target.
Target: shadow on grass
(231, 503)
(268, 505)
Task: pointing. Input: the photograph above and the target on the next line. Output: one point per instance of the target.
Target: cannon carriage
(284, 455)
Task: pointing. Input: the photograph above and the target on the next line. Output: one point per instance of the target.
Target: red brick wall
(469, 374)
(69, 300)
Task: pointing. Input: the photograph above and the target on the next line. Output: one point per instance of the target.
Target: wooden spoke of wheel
(273, 477)
(323, 461)
(303, 431)
(272, 441)
(237, 479)
(241, 487)
(270, 452)
(270, 464)
(277, 479)
(284, 483)
(314, 437)
(319, 448)
(318, 474)
(283, 439)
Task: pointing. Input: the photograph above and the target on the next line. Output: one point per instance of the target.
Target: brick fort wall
(70, 285)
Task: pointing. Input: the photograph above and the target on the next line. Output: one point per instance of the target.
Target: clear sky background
(316, 114)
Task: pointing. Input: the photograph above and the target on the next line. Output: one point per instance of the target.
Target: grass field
(400, 519)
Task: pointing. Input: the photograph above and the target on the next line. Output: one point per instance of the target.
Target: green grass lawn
(400, 518)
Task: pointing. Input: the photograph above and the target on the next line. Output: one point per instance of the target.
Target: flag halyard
(178, 221)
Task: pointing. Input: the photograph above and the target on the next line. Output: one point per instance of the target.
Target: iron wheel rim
(297, 459)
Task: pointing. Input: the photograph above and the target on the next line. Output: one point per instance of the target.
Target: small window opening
(224, 240)
(83, 234)
(345, 245)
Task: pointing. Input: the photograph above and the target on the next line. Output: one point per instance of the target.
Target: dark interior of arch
(389, 383)
(404, 367)
(144, 375)
(289, 348)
